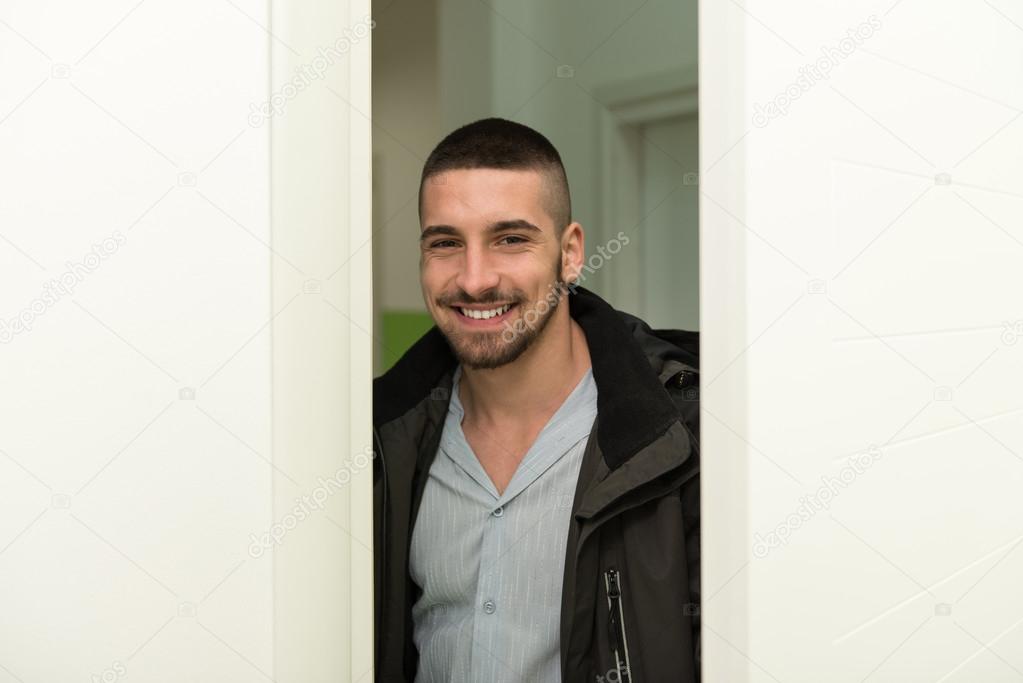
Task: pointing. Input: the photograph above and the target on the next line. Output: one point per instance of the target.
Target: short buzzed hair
(500, 143)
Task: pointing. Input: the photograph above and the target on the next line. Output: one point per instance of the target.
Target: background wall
(406, 123)
(863, 452)
(179, 348)
(606, 91)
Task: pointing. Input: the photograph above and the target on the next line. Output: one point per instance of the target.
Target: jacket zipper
(616, 623)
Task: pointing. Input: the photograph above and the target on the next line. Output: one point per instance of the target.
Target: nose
(477, 275)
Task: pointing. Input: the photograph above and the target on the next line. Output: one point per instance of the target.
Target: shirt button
(489, 607)
(498, 511)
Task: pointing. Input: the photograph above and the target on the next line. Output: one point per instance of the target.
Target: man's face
(489, 255)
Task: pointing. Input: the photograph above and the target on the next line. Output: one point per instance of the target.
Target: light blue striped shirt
(491, 565)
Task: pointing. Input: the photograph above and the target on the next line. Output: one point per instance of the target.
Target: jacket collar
(633, 406)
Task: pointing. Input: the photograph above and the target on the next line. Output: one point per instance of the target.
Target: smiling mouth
(483, 314)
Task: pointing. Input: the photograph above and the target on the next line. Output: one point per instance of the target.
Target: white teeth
(485, 315)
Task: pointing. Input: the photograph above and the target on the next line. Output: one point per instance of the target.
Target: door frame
(628, 106)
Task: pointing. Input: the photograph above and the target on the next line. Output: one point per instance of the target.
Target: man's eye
(517, 239)
(440, 244)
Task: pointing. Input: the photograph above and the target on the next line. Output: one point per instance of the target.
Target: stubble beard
(490, 350)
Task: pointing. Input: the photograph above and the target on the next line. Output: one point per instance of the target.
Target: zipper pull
(616, 626)
(613, 589)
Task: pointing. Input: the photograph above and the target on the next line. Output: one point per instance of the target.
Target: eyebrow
(493, 228)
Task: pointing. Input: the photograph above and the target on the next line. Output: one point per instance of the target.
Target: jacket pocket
(616, 624)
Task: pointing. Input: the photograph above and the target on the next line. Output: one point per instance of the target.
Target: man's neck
(534, 386)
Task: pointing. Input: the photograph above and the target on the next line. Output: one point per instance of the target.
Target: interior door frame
(628, 106)
(321, 209)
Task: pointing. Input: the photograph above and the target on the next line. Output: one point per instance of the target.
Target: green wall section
(401, 329)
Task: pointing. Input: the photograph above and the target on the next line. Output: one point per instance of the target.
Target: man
(537, 488)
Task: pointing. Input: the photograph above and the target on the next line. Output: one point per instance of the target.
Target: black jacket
(631, 592)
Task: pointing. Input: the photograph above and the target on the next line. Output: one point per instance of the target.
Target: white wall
(860, 288)
(406, 118)
(197, 374)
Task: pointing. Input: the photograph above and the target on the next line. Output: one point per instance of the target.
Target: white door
(862, 442)
(184, 357)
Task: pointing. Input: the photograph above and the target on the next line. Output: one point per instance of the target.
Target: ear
(573, 251)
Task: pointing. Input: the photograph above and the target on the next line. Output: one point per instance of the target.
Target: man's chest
(471, 543)
(495, 510)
